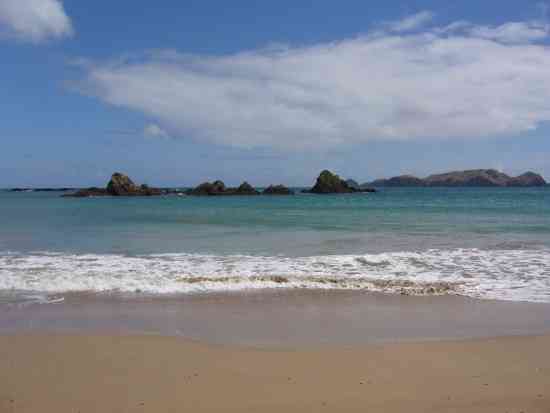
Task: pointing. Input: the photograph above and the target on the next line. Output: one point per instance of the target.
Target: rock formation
(329, 183)
(219, 188)
(41, 189)
(277, 190)
(527, 179)
(208, 188)
(119, 185)
(246, 189)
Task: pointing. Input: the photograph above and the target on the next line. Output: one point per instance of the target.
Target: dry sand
(95, 373)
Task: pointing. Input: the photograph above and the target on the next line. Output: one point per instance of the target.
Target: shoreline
(136, 373)
(282, 318)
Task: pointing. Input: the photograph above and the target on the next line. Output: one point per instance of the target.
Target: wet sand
(282, 318)
(98, 373)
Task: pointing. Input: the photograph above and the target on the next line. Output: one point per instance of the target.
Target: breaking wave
(504, 274)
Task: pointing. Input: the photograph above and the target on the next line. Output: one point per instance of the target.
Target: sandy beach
(95, 373)
(301, 351)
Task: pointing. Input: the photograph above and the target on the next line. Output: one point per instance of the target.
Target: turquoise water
(428, 237)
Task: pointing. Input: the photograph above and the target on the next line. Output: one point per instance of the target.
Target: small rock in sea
(119, 185)
(277, 190)
(246, 189)
(219, 188)
(329, 183)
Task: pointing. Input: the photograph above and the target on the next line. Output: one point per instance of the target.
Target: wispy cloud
(35, 20)
(155, 131)
(514, 32)
(458, 81)
(411, 22)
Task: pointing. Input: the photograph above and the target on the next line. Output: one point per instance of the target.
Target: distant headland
(468, 178)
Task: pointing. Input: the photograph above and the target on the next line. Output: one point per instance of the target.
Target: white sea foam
(519, 275)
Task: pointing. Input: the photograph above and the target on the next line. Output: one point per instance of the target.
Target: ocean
(486, 243)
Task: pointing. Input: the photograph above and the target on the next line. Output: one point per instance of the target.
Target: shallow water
(483, 243)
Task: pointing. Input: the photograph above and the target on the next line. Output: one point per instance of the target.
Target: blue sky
(187, 91)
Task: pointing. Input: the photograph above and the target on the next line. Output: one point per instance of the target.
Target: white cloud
(411, 22)
(155, 131)
(35, 20)
(514, 32)
(447, 82)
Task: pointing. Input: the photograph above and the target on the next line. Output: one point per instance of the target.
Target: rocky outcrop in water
(329, 183)
(527, 179)
(118, 185)
(246, 189)
(208, 188)
(469, 178)
(277, 190)
(41, 189)
(218, 188)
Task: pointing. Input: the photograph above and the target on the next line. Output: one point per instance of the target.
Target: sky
(179, 92)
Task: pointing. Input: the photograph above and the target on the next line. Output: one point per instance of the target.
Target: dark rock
(208, 189)
(121, 185)
(41, 189)
(246, 189)
(527, 179)
(20, 190)
(329, 183)
(219, 188)
(277, 190)
(146, 190)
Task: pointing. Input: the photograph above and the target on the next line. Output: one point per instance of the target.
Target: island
(468, 178)
(121, 185)
(118, 185)
(330, 183)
